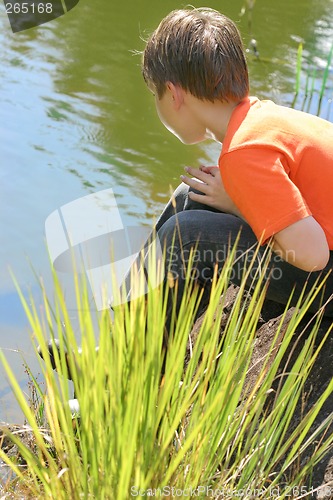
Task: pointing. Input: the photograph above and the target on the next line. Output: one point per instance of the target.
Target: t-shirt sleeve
(258, 183)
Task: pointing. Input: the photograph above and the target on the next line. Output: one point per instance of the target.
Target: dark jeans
(185, 224)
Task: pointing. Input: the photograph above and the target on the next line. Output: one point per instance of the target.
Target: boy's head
(201, 51)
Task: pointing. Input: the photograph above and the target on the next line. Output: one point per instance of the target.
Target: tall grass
(313, 84)
(151, 423)
(248, 7)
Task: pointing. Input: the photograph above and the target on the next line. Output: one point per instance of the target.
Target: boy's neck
(215, 117)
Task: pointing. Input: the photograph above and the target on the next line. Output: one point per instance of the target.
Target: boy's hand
(208, 181)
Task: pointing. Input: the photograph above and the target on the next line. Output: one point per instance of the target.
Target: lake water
(76, 118)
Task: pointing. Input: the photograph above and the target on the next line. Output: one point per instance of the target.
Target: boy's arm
(302, 244)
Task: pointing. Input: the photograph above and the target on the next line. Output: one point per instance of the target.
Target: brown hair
(202, 51)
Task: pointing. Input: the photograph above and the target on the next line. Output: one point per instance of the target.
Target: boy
(274, 182)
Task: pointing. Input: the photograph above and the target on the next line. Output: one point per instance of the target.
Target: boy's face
(176, 116)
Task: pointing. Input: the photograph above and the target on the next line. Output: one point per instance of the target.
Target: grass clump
(151, 423)
(312, 84)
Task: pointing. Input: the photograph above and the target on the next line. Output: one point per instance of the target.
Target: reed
(315, 84)
(152, 423)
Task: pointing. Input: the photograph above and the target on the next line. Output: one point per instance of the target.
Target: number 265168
(26, 8)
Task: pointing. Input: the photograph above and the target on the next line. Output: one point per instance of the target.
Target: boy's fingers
(199, 174)
(209, 169)
(194, 183)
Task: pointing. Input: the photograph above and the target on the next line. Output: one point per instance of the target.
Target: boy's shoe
(54, 345)
(74, 407)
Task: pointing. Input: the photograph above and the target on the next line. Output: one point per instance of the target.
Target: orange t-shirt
(277, 166)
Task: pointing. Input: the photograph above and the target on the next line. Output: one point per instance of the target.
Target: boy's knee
(181, 191)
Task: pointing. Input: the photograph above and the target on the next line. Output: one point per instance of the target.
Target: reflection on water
(75, 118)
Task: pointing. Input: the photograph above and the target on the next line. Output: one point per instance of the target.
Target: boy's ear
(177, 94)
